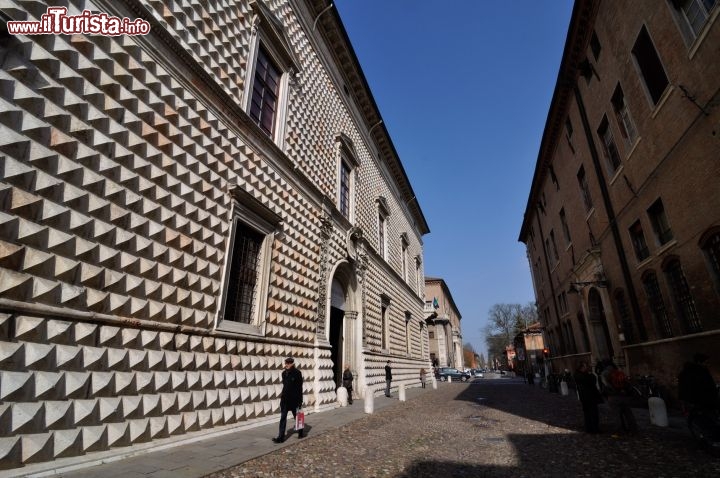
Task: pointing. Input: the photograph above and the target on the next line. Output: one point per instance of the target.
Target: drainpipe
(611, 215)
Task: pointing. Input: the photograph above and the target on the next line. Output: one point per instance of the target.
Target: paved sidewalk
(217, 452)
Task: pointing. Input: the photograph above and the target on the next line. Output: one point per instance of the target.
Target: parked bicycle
(644, 386)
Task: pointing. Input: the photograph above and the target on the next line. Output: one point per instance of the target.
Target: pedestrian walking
(616, 388)
(696, 385)
(347, 380)
(422, 377)
(388, 378)
(589, 396)
(291, 397)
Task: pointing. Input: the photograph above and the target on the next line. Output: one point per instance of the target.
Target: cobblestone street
(499, 427)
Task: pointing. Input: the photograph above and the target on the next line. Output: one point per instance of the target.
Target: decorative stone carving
(326, 228)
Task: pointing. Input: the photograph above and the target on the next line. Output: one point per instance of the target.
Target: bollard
(658, 411)
(342, 396)
(369, 405)
(449, 379)
(563, 388)
(434, 382)
(401, 392)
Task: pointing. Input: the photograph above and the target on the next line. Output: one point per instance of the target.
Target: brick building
(179, 211)
(622, 224)
(444, 330)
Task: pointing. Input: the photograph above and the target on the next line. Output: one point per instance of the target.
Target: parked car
(477, 373)
(444, 372)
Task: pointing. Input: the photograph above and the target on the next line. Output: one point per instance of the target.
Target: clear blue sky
(464, 89)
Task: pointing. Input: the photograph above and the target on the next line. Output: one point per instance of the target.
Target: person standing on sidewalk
(347, 380)
(422, 377)
(388, 378)
(291, 397)
(589, 396)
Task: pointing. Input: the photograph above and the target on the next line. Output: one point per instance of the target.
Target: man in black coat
(291, 397)
(388, 378)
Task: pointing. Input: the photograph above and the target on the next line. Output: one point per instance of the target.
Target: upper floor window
(660, 223)
(565, 228)
(638, 241)
(347, 163)
(595, 46)
(404, 257)
(569, 133)
(650, 66)
(624, 119)
(272, 64)
(418, 276)
(584, 189)
(692, 16)
(554, 178)
(383, 214)
(381, 234)
(554, 246)
(684, 302)
(609, 147)
(265, 92)
(711, 247)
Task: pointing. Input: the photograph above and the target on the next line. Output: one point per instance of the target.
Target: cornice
(576, 43)
(330, 25)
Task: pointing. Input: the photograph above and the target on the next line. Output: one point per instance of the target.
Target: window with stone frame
(565, 228)
(637, 236)
(265, 92)
(383, 213)
(554, 246)
(610, 151)
(659, 221)
(385, 323)
(682, 297)
(272, 68)
(404, 256)
(346, 170)
(624, 313)
(247, 273)
(711, 247)
(584, 189)
(624, 118)
(651, 69)
(657, 305)
(692, 16)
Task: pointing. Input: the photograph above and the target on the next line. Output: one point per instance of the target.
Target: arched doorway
(598, 322)
(335, 331)
(342, 325)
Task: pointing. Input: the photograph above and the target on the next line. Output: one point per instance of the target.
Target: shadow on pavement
(538, 404)
(552, 455)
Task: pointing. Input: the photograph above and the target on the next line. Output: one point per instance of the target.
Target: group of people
(607, 382)
(291, 396)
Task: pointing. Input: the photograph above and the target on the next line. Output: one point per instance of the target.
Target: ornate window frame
(248, 211)
(269, 32)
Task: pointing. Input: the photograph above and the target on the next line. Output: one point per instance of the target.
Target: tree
(505, 321)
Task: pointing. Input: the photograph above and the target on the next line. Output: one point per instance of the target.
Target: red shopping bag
(299, 419)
